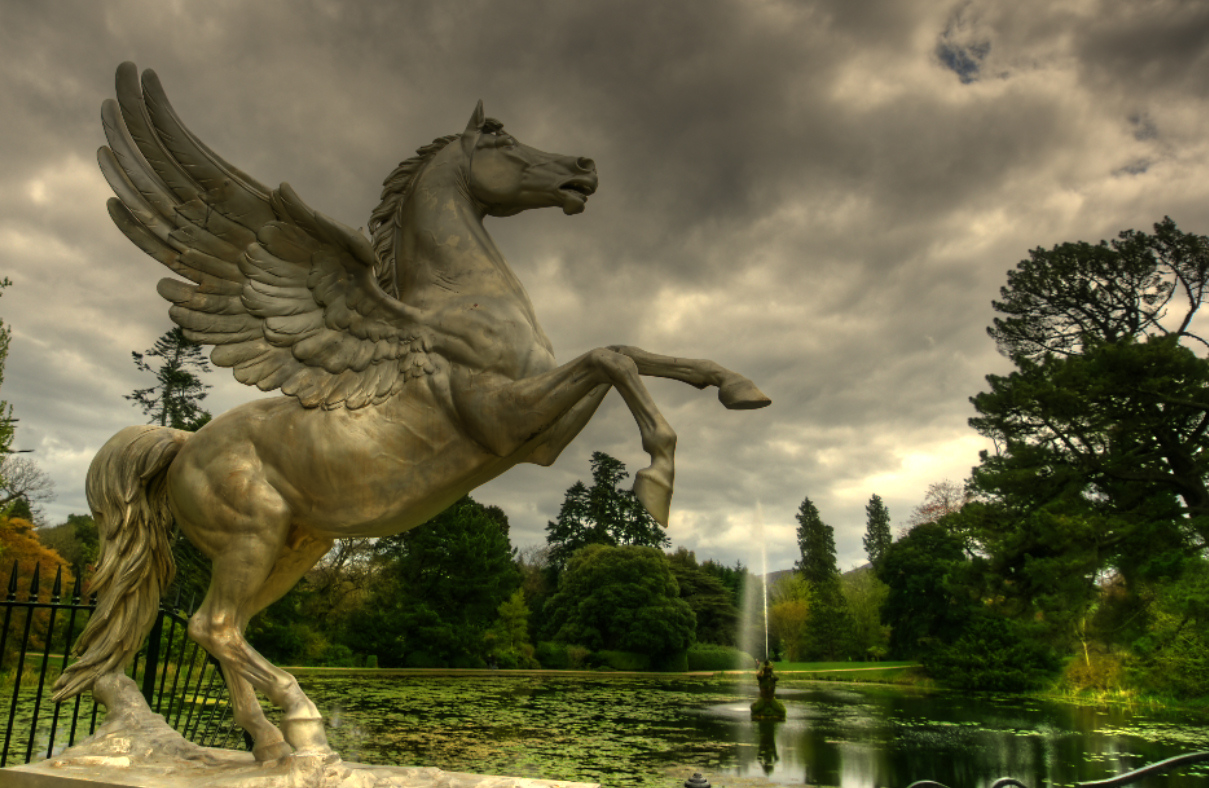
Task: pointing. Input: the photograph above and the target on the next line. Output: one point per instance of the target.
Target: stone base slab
(233, 769)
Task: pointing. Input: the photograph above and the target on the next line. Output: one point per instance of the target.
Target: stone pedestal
(232, 769)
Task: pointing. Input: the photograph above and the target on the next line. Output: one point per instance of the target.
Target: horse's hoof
(269, 754)
(306, 734)
(742, 394)
(654, 494)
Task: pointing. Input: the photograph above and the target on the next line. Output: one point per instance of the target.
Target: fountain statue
(412, 368)
(767, 707)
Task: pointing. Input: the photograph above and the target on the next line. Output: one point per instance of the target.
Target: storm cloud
(822, 195)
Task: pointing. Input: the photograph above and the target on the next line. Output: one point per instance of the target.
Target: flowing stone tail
(127, 493)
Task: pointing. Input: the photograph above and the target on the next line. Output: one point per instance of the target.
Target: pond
(628, 731)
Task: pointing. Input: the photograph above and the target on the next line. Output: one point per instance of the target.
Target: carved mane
(385, 219)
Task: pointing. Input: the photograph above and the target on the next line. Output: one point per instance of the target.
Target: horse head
(507, 177)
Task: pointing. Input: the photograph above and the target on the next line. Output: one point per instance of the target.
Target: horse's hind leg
(247, 576)
(734, 391)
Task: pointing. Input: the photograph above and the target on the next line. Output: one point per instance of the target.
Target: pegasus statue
(410, 361)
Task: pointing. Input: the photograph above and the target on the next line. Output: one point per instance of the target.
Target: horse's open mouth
(582, 188)
(575, 194)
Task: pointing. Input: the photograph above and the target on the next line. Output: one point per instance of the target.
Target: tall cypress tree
(877, 529)
(816, 540)
(827, 633)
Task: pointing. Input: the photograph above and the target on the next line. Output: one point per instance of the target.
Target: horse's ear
(476, 120)
(470, 137)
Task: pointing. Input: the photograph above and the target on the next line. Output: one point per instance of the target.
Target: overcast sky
(824, 196)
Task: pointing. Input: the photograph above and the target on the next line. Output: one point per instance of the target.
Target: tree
(602, 514)
(1076, 296)
(734, 578)
(6, 410)
(21, 480)
(621, 599)
(712, 603)
(788, 614)
(921, 607)
(1124, 426)
(864, 596)
(942, 498)
(1101, 447)
(436, 590)
(816, 540)
(19, 544)
(174, 399)
(77, 540)
(507, 641)
(827, 626)
(877, 529)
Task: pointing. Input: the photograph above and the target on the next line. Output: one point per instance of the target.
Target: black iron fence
(178, 678)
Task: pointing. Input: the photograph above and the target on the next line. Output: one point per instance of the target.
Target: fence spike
(12, 584)
(76, 590)
(35, 584)
(56, 590)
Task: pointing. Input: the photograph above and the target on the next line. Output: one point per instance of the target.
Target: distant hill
(775, 577)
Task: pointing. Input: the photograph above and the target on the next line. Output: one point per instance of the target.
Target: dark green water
(655, 732)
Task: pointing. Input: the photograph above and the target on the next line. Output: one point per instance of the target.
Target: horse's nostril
(587, 165)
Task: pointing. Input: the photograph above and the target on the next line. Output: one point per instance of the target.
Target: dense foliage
(1083, 533)
(713, 603)
(622, 599)
(437, 590)
(601, 514)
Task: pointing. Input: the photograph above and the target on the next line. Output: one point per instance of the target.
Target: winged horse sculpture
(412, 364)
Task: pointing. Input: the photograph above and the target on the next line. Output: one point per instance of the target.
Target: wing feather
(190, 236)
(210, 266)
(277, 375)
(153, 246)
(286, 295)
(134, 199)
(190, 297)
(129, 160)
(197, 212)
(229, 195)
(155, 95)
(138, 126)
(233, 355)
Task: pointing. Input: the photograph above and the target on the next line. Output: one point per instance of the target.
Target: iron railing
(1133, 776)
(178, 678)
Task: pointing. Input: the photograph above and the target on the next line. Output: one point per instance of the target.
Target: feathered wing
(288, 296)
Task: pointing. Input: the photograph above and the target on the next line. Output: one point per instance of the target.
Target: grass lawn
(836, 666)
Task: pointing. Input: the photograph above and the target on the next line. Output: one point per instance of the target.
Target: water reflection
(656, 732)
(874, 737)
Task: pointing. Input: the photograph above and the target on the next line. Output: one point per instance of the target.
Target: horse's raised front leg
(563, 431)
(508, 416)
(734, 391)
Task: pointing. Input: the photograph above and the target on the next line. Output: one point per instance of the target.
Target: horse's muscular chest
(492, 334)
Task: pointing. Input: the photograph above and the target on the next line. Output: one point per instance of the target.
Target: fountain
(766, 707)
(755, 608)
